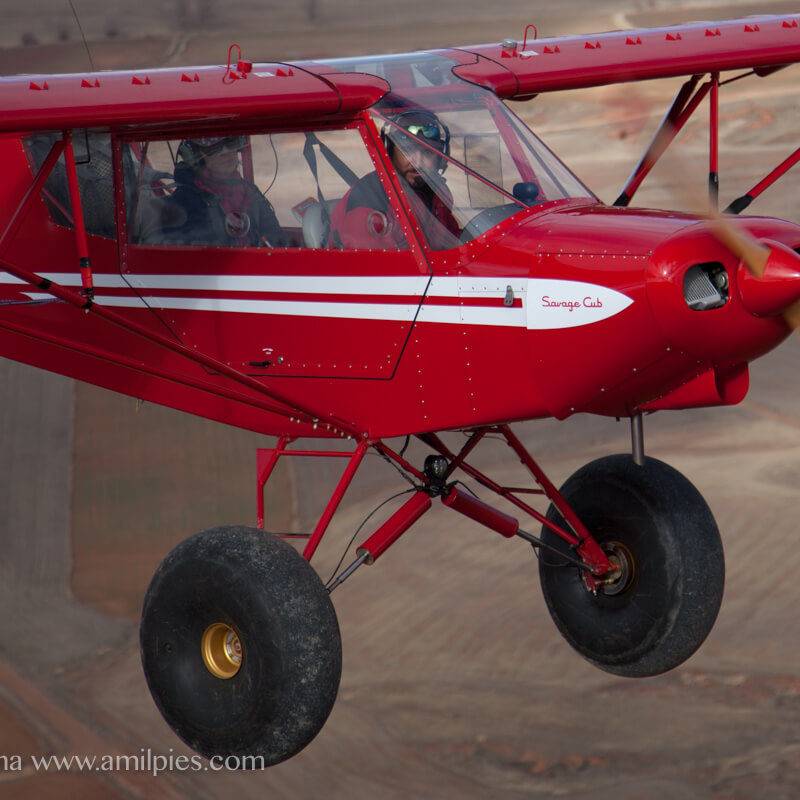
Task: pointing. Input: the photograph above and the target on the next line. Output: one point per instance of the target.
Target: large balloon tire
(257, 586)
(663, 535)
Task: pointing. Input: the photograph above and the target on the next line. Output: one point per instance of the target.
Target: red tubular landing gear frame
(435, 482)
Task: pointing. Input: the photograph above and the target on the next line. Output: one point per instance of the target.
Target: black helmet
(194, 151)
(421, 124)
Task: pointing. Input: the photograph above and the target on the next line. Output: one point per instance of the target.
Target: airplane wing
(181, 95)
(516, 72)
(316, 90)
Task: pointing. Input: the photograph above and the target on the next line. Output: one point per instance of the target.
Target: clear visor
(407, 135)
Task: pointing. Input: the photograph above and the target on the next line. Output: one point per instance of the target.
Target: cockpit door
(312, 297)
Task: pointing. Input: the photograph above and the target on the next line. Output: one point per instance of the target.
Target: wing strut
(683, 106)
(82, 243)
(741, 203)
(33, 190)
(84, 300)
(713, 143)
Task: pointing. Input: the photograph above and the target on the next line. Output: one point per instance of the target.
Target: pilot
(364, 218)
(213, 204)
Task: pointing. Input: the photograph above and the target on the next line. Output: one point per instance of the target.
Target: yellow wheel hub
(222, 650)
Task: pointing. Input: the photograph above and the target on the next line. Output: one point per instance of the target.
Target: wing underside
(218, 95)
(516, 70)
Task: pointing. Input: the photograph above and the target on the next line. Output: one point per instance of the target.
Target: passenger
(354, 222)
(213, 204)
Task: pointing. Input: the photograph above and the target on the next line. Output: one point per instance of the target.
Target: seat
(315, 231)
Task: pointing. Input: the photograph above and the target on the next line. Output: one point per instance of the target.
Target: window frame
(61, 215)
(362, 124)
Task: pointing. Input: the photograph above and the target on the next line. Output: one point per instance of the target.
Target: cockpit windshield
(466, 162)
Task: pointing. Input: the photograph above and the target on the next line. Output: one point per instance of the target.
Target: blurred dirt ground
(456, 683)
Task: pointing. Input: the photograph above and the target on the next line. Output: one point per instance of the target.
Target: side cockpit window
(95, 178)
(451, 201)
(278, 190)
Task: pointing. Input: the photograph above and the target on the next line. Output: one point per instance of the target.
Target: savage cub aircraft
(378, 247)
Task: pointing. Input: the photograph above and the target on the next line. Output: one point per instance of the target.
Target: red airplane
(378, 247)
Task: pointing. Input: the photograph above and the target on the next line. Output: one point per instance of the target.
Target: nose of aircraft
(728, 291)
(777, 288)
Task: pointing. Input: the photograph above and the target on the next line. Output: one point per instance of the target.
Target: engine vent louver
(705, 286)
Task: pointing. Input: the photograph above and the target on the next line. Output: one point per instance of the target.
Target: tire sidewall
(672, 604)
(291, 665)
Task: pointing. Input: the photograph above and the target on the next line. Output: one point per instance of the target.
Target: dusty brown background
(456, 684)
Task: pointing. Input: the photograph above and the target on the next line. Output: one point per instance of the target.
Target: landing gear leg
(637, 439)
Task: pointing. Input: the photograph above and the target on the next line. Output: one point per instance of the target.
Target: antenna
(83, 35)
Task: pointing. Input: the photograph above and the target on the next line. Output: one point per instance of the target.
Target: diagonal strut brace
(85, 299)
(588, 555)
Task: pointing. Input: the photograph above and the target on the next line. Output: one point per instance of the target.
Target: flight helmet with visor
(419, 124)
(194, 151)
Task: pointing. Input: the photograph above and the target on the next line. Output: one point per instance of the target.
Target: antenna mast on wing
(83, 35)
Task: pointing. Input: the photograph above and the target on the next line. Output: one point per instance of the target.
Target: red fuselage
(565, 307)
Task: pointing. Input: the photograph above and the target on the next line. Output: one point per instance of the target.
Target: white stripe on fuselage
(546, 304)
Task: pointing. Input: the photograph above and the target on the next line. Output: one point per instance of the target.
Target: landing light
(435, 467)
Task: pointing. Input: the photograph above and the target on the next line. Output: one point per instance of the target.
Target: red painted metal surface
(713, 142)
(774, 175)
(186, 94)
(387, 452)
(411, 511)
(721, 386)
(777, 288)
(314, 90)
(481, 512)
(35, 187)
(394, 527)
(457, 356)
(81, 240)
(266, 461)
(579, 537)
(77, 301)
(576, 62)
(616, 365)
(336, 498)
(684, 105)
(589, 550)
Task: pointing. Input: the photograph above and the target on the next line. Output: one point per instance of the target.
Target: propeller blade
(753, 253)
(749, 250)
(792, 315)
(746, 247)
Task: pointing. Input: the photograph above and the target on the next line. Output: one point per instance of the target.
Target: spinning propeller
(769, 276)
(769, 272)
